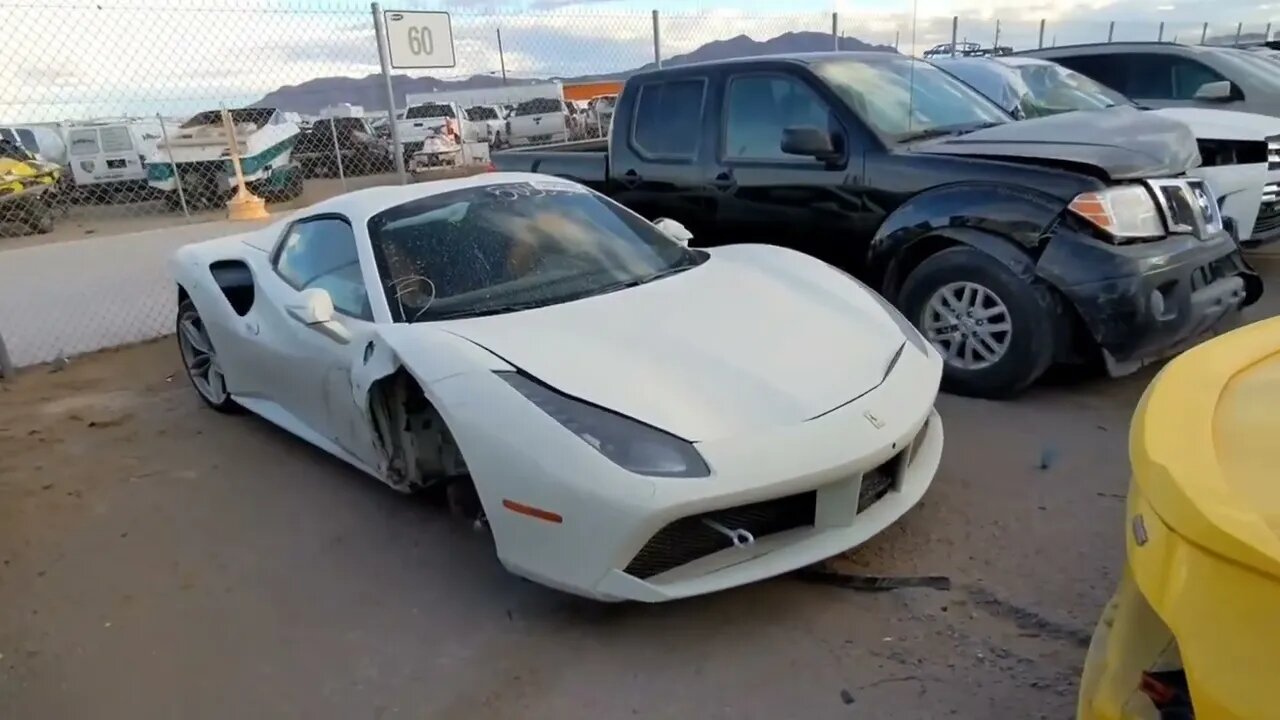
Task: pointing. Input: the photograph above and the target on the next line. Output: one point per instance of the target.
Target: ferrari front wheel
(201, 360)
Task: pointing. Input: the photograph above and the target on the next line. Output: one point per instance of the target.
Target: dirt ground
(82, 221)
(161, 560)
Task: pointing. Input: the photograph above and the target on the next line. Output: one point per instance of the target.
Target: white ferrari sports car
(639, 420)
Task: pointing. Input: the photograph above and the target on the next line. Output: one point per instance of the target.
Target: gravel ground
(160, 560)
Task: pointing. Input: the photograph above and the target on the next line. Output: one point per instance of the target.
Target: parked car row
(1014, 245)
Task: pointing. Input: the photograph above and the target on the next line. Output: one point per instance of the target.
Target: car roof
(866, 56)
(360, 205)
(1117, 47)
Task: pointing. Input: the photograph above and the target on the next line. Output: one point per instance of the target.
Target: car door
(657, 168)
(769, 196)
(304, 371)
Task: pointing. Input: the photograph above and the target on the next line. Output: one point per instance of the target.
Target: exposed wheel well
(417, 443)
(182, 295)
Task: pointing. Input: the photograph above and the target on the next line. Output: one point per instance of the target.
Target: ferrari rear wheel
(201, 360)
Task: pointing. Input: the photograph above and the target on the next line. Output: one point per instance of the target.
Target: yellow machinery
(25, 182)
(1194, 629)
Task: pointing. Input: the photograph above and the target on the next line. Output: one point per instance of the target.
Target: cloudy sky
(78, 58)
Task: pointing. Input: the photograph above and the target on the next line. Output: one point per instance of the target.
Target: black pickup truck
(1011, 245)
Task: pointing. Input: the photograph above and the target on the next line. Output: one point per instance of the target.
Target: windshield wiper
(947, 130)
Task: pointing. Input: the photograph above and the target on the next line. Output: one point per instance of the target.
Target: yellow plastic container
(1200, 595)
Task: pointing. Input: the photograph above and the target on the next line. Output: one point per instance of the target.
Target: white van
(109, 157)
(43, 141)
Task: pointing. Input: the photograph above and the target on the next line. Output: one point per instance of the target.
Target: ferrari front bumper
(802, 492)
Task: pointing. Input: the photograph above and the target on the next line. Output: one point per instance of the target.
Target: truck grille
(689, 538)
(1268, 223)
(1273, 152)
(1270, 193)
(1189, 206)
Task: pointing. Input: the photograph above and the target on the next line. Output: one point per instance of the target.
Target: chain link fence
(112, 130)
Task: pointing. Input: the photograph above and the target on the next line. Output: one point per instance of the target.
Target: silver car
(1164, 75)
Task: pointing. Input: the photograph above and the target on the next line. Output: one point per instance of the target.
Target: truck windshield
(499, 248)
(902, 98)
(430, 110)
(1052, 89)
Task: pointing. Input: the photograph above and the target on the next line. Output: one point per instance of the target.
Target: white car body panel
(1243, 189)
(776, 404)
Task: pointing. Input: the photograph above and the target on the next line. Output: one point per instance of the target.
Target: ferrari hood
(1124, 143)
(754, 337)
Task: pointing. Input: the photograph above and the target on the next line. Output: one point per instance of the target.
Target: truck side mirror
(1219, 91)
(808, 141)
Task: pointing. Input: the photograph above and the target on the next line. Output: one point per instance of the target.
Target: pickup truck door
(767, 196)
(655, 161)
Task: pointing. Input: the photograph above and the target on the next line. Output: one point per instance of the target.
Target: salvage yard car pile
(706, 350)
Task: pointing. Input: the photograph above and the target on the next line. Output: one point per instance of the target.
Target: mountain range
(370, 91)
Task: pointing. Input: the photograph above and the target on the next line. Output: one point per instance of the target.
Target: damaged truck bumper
(1153, 299)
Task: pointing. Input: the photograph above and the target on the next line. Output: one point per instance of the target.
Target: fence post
(384, 59)
(955, 28)
(502, 59)
(1266, 34)
(1239, 27)
(177, 179)
(1160, 36)
(1204, 33)
(337, 152)
(835, 31)
(657, 41)
(1111, 31)
(897, 35)
(1041, 44)
(6, 364)
(996, 43)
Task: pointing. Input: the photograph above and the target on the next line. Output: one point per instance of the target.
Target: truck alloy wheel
(968, 324)
(994, 329)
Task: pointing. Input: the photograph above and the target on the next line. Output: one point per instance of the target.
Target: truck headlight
(630, 444)
(1126, 211)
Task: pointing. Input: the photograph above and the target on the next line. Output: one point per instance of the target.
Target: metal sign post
(397, 150)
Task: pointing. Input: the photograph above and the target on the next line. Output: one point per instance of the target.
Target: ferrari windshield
(499, 248)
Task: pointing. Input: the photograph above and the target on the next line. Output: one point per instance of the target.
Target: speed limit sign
(419, 39)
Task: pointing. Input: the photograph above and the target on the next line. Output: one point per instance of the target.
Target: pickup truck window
(1166, 77)
(900, 97)
(759, 107)
(430, 110)
(539, 106)
(668, 119)
(482, 112)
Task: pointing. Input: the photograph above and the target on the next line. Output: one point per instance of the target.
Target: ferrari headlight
(630, 444)
(1126, 211)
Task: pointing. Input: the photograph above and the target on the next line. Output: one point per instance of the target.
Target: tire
(189, 327)
(980, 360)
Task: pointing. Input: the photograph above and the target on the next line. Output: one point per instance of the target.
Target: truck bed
(583, 161)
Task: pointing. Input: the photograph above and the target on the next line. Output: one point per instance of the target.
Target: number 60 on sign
(419, 39)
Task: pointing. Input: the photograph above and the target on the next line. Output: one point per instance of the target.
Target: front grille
(1268, 222)
(1273, 152)
(689, 538)
(1189, 206)
(1270, 193)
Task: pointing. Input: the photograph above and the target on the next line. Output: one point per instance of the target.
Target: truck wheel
(995, 330)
